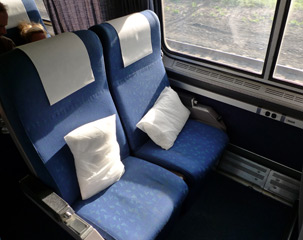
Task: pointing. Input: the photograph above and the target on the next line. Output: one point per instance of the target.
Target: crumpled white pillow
(96, 154)
(165, 120)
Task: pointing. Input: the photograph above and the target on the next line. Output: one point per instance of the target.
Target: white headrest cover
(16, 12)
(63, 64)
(135, 37)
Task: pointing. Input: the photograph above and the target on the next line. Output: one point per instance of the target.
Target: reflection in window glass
(45, 17)
(290, 63)
(231, 32)
(42, 9)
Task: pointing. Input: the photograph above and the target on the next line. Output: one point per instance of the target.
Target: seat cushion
(195, 151)
(138, 206)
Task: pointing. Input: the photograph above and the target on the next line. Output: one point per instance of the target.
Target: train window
(42, 10)
(45, 16)
(241, 34)
(234, 33)
(289, 65)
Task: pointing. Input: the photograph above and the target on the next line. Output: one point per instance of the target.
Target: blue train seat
(136, 86)
(21, 10)
(42, 104)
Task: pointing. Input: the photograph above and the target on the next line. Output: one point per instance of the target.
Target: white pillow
(96, 154)
(165, 120)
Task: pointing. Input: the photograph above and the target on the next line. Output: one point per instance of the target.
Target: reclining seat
(43, 100)
(20, 10)
(136, 83)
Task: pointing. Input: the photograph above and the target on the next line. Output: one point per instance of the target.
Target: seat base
(146, 195)
(196, 150)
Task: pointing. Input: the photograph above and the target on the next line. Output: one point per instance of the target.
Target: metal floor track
(262, 179)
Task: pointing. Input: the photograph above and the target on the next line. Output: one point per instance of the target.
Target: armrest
(58, 209)
(201, 112)
(206, 115)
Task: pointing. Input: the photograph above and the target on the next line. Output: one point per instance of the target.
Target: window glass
(45, 16)
(230, 32)
(290, 60)
(42, 9)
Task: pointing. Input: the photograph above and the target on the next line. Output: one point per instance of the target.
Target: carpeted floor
(227, 210)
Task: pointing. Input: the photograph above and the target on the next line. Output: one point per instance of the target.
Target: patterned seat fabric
(135, 207)
(146, 198)
(195, 151)
(135, 89)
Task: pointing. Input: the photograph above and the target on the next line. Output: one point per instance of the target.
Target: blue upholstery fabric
(135, 90)
(46, 125)
(145, 199)
(137, 87)
(32, 11)
(194, 152)
(34, 16)
(141, 204)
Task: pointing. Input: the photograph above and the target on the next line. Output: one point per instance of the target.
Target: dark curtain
(131, 6)
(71, 15)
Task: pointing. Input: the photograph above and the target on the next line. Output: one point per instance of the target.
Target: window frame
(271, 57)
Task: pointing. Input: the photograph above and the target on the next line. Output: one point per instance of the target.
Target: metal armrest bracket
(58, 209)
(206, 115)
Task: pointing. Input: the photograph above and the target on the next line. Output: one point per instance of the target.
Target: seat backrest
(21, 10)
(40, 118)
(135, 87)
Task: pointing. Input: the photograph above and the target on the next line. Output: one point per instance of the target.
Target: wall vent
(214, 75)
(181, 65)
(283, 186)
(277, 184)
(274, 92)
(299, 99)
(249, 87)
(242, 167)
(252, 85)
(226, 78)
(289, 96)
(203, 72)
(239, 82)
(191, 68)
